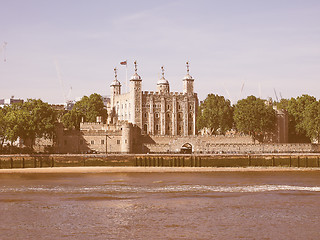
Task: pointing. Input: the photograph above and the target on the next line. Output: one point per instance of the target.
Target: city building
(9, 101)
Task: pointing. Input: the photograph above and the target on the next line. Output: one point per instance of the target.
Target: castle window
(157, 127)
(190, 107)
(168, 115)
(145, 115)
(118, 141)
(168, 106)
(179, 107)
(125, 106)
(145, 128)
(92, 142)
(156, 115)
(102, 142)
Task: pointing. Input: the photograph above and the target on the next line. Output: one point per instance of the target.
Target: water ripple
(157, 189)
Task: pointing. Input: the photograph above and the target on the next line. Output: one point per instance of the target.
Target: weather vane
(115, 73)
(135, 66)
(187, 66)
(162, 70)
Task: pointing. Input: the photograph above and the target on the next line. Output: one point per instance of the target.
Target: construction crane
(4, 48)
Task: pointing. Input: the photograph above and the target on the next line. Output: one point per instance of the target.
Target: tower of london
(155, 122)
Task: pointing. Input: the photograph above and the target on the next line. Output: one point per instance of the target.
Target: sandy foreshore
(152, 169)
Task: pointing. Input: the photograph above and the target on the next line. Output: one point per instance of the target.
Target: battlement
(151, 93)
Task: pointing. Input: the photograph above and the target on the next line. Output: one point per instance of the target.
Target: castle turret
(126, 144)
(188, 82)
(136, 98)
(163, 84)
(115, 87)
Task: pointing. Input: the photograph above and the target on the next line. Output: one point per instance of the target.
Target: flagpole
(126, 75)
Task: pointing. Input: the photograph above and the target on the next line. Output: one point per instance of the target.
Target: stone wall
(221, 144)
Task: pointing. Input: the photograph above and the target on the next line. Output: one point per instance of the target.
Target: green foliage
(27, 121)
(215, 114)
(296, 108)
(87, 108)
(311, 120)
(2, 127)
(252, 116)
(40, 119)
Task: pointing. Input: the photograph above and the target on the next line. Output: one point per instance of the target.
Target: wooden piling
(273, 161)
(23, 163)
(11, 163)
(306, 161)
(298, 161)
(52, 162)
(290, 162)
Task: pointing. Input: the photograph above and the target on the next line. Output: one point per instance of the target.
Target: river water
(212, 205)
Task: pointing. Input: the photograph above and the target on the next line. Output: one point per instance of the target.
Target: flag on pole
(124, 63)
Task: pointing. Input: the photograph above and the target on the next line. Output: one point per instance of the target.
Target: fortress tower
(162, 112)
(136, 97)
(188, 82)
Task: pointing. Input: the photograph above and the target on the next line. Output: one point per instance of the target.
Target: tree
(311, 121)
(2, 127)
(296, 108)
(28, 121)
(40, 119)
(15, 121)
(87, 108)
(215, 114)
(252, 116)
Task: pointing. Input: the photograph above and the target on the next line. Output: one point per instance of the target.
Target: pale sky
(260, 45)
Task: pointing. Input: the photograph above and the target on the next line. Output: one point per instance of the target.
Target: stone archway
(186, 148)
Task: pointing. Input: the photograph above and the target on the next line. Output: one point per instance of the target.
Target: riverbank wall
(160, 160)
